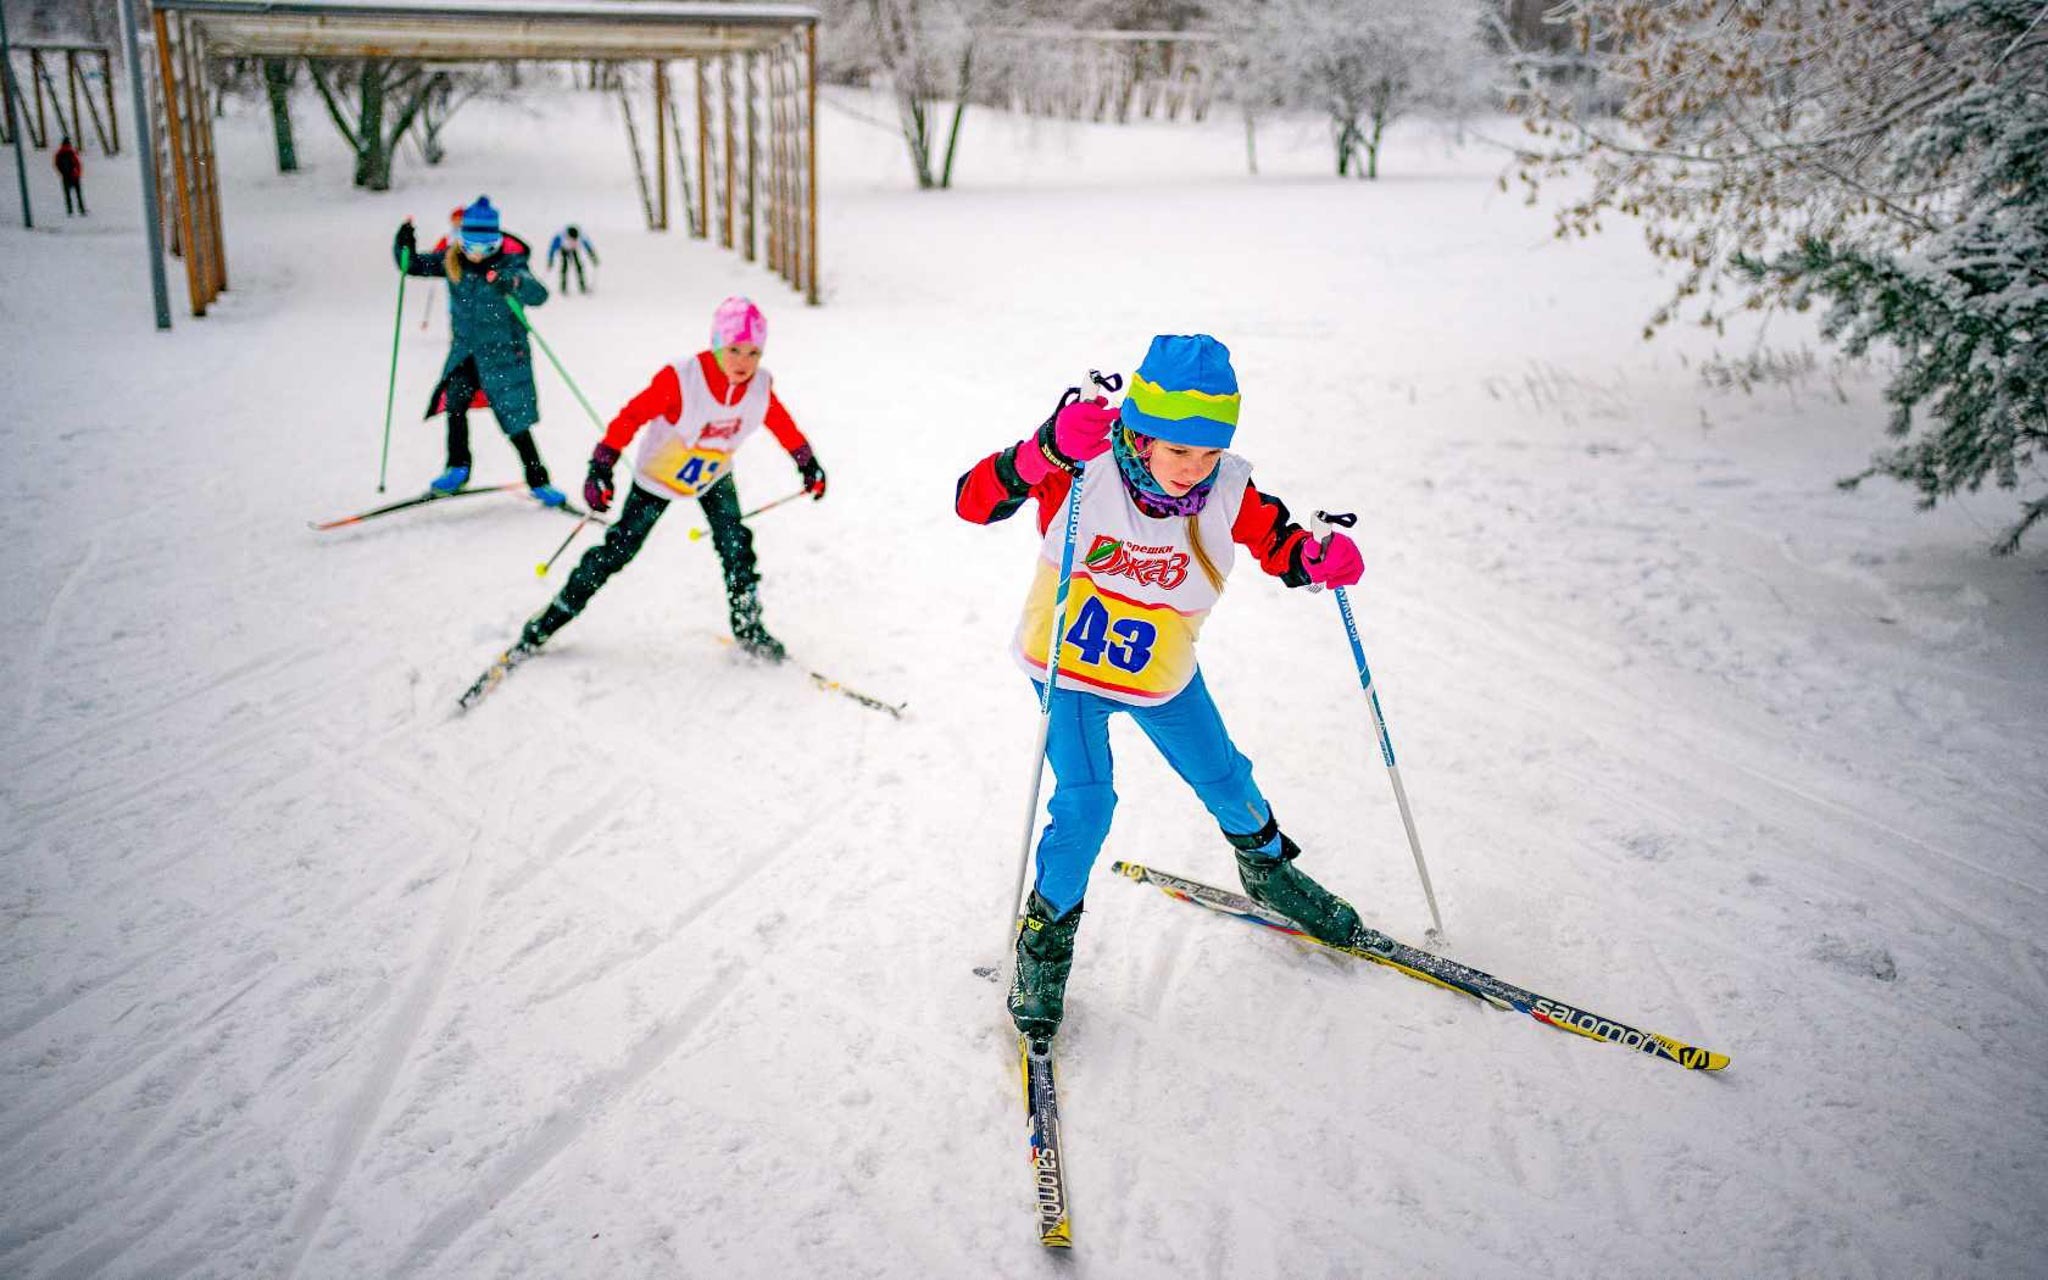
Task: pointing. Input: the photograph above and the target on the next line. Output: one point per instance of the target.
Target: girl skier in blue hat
(1158, 536)
(489, 362)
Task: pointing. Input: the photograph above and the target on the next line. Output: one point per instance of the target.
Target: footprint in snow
(1865, 959)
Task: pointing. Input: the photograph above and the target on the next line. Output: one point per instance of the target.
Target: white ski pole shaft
(1109, 383)
(1052, 676)
(1321, 527)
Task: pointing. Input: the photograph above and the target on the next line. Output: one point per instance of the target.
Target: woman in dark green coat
(489, 362)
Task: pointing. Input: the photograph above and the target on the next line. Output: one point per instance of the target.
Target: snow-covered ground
(660, 964)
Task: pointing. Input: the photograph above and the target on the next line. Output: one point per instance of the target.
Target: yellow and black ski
(1438, 971)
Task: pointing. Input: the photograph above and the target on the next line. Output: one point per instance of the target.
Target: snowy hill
(661, 964)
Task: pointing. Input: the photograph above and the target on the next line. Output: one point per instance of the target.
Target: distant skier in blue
(570, 245)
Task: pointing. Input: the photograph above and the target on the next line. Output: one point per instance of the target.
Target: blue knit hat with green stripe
(1184, 392)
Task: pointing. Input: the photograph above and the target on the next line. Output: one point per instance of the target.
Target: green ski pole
(519, 309)
(391, 387)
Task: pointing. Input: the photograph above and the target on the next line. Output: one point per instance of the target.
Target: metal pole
(145, 157)
(10, 90)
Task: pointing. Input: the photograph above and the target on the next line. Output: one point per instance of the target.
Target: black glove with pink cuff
(597, 486)
(808, 469)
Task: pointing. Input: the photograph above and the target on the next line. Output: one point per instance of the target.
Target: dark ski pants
(577, 260)
(460, 387)
(73, 190)
(735, 543)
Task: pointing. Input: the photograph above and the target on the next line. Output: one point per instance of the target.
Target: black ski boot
(747, 628)
(1272, 880)
(1045, 954)
(540, 626)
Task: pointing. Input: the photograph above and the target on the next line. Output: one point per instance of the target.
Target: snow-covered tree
(1364, 64)
(377, 82)
(1886, 157)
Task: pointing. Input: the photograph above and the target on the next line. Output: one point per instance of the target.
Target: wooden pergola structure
(773, 46)
(78, 61)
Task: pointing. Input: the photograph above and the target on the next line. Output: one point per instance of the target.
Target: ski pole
(1111, 383)
(701, 532)
(1320, 526)
(391, 387)
(541, 570)
(519, 309)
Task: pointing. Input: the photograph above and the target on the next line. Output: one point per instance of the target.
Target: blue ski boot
(449, 481)
(548, 496)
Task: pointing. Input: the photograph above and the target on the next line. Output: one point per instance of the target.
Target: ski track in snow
(659, 963)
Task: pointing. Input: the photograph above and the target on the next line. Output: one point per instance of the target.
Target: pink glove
(1336, 563)
(1077, 433)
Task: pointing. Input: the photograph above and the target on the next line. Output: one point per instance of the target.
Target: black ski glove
(808, 469)
(597, 486)
(405, 244)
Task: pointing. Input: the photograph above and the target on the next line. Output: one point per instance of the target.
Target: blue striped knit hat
(1184, 392)
(480, 224)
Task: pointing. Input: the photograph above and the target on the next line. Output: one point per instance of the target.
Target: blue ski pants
(1188, 731)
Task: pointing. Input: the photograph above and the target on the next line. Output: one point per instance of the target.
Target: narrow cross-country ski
(501, 666)
(1048, 1167)
(1417, 963)
(826, 684)
(406, 504)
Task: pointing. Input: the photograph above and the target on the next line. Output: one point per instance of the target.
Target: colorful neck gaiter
(1151, 498)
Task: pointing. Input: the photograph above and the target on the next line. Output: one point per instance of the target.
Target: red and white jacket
(699, 419)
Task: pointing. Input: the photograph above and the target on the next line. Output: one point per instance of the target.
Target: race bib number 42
(689, 471)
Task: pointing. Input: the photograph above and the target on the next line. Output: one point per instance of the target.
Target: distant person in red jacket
(72, 171)
(696, 414)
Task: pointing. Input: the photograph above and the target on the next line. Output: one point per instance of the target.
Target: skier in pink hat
(696, 413)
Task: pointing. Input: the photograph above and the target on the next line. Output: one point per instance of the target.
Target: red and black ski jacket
(992, 490)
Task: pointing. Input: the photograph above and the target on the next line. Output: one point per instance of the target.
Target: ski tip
(1128, 870)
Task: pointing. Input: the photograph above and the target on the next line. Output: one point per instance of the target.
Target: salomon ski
(1431, 968)
(1048, 1170)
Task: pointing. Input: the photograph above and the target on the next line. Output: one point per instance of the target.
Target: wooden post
(775, 158)
(799, 142)
(703, 154)
(71, 87)
(107, 83)
(160, 165)
(195, 123)
(167, 70)
(725, 227)
(753, 154)
(219, 244)
(811, 163)
(35, 78)
(786, 55)
(661, 142)
(192, 103)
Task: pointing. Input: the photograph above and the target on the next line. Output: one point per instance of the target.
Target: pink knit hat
(738, 320)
